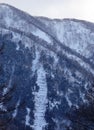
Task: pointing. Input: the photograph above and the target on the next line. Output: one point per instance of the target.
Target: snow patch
(28, 117)
(5, 90)
(82, 96)
(16, 110)
(42, 35)
(35, 63)
(40, 100)
(68, 100)
(54, 104)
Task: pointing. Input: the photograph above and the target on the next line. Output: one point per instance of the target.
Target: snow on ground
(42, 35)
(5, 90)
(16, 110)
(40, 100)
(36, 61)
(73, 34)
(27, 119)
(68, 100)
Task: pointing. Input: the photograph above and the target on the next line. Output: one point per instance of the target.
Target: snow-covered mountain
(51, 63)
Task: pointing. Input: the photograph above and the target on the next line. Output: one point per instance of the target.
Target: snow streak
(40, 100)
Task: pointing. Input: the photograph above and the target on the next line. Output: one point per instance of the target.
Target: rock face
(51, 63)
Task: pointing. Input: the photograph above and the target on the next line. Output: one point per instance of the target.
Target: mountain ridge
(37, 25)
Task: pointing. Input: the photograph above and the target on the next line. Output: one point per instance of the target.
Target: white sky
(79, 9)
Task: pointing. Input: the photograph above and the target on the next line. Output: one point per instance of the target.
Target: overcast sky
(79, 9)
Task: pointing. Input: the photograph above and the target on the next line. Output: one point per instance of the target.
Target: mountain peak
(6, 5)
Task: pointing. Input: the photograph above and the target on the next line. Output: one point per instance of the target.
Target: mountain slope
(51, 62)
